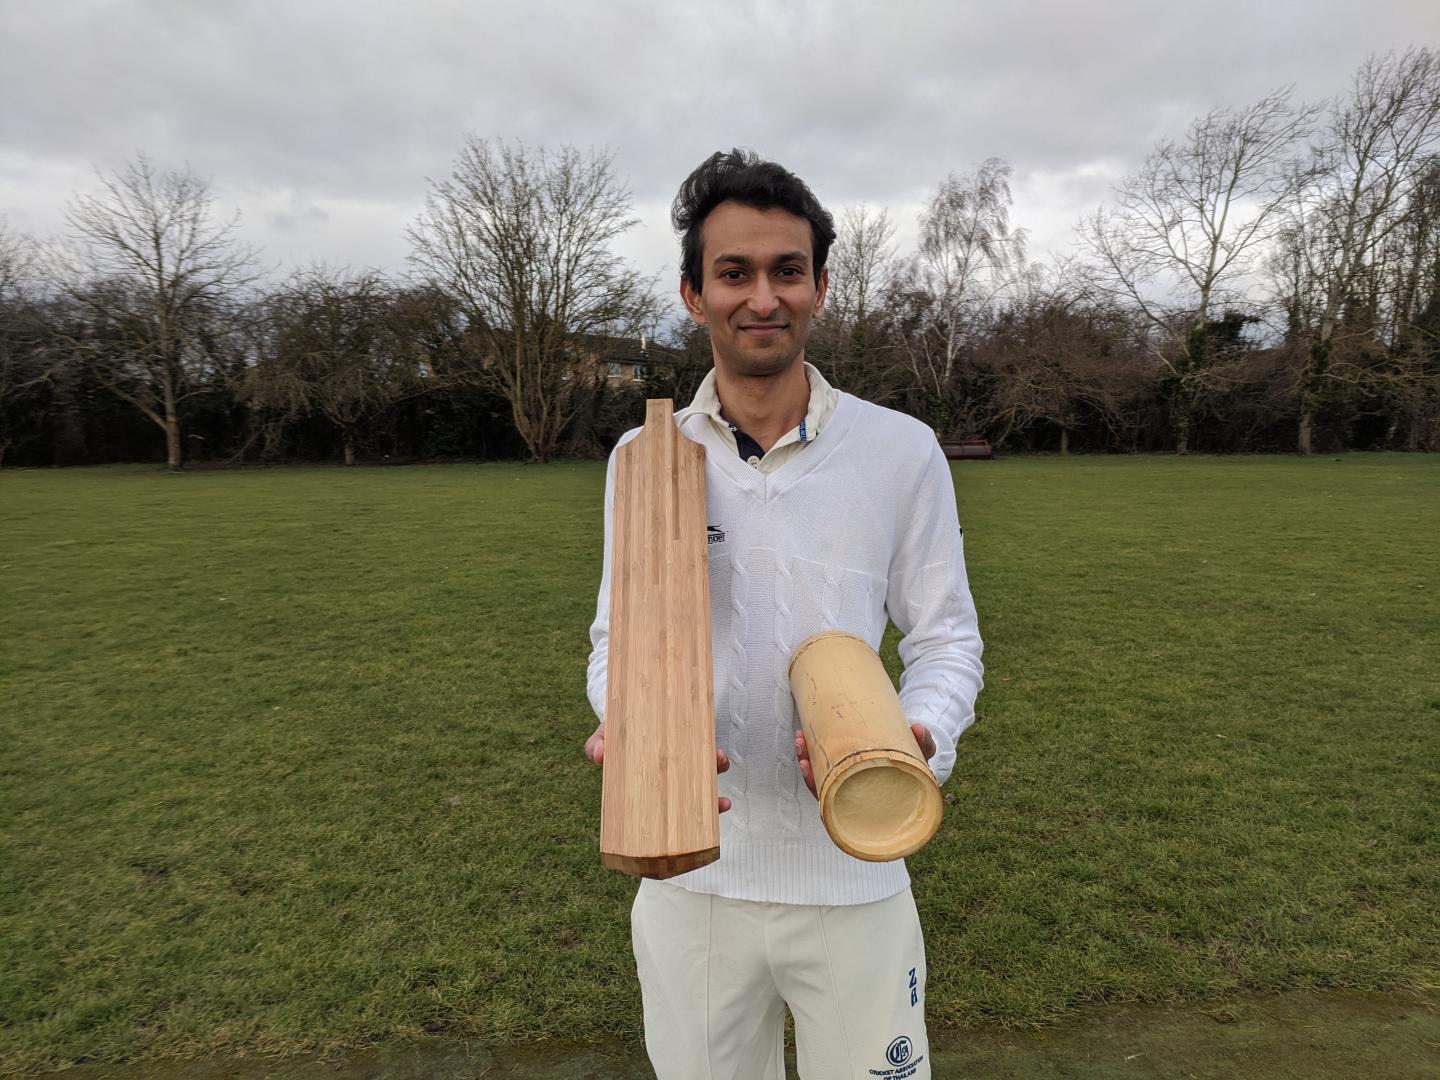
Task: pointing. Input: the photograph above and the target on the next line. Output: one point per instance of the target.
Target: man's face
(759, 288)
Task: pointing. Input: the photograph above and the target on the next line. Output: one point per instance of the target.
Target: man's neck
(765, 407)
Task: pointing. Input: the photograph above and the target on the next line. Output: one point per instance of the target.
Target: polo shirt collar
(823, 397)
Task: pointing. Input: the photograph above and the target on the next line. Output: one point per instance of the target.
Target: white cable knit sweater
(858, 526)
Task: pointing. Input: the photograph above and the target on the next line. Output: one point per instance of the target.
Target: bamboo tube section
(658, 812)
(878, 798)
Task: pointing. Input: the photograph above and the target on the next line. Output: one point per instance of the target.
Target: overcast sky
(320, 121)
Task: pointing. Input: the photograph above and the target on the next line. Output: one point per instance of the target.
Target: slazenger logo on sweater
(714, 534)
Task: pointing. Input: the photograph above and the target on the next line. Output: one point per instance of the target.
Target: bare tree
(969, 255)
(1058, 357)
(429, 328)
(152, 272)
(521, 239)
(334, 348)
(1184, 231)
(23, 365)
(1372, 155)
(1408, 285)
(861, 263)
(15, 258)
(1412, 254)
(851, 338)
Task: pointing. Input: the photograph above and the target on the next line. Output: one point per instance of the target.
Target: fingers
(722, 763)
(802, 756)
(925, 739)
(808, 773)
(595, 747)
(595, 751)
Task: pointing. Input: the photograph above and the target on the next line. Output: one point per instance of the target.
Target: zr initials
(914, 989)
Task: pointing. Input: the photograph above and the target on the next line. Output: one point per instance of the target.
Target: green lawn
(292, 758)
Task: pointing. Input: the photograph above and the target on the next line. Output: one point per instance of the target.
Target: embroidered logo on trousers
(904, 1062)
(899, 1051)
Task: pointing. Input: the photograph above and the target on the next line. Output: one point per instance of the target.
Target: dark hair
(740, 176)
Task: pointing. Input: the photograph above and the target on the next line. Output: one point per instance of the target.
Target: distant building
(627, 360)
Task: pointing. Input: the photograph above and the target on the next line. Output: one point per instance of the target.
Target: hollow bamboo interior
(878, 799)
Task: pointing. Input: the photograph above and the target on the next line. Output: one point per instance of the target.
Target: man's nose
(763, 300)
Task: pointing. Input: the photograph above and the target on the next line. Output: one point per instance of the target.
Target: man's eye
(730, 275)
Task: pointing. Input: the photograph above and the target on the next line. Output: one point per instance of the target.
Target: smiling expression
(759, 292)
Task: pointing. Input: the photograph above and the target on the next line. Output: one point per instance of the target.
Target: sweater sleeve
(595, 675)
(928, 598)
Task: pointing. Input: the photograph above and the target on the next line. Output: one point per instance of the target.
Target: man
(825, 513)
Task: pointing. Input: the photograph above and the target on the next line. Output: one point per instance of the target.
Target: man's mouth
(761, 329)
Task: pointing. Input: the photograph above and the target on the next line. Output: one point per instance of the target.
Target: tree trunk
(1064, 441)
(172, 422)
(349, 452)
(1181, 425)
(1310, 384)
(1181, 396)
(270, 450)
(524, 428)
(172, 439)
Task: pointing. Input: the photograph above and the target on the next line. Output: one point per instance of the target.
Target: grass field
(292, 758)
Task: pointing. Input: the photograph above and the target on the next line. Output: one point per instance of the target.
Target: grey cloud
(296, 215)
(346, 108)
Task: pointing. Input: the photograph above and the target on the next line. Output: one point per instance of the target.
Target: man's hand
(925, 739)
(802, 752)
(595, 751)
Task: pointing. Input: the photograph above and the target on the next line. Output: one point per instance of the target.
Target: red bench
(968, 448)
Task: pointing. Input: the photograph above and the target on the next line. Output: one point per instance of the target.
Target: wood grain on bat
(658, 815)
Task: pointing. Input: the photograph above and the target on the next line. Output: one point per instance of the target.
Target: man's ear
(820, 292)
(691, 297)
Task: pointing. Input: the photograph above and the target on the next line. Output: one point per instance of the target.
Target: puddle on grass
(1296, 1036)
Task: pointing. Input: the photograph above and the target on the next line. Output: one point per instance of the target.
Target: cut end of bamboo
(881, 809)
(878, 798)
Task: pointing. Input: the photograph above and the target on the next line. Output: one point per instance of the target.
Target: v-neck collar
(765, 486)
(818, 415)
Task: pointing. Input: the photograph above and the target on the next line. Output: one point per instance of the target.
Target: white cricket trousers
(716, 976)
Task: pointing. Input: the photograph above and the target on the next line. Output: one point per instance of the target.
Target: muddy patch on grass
(1298, 1036)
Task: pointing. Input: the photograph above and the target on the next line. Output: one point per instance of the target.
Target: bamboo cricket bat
(658, 814)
